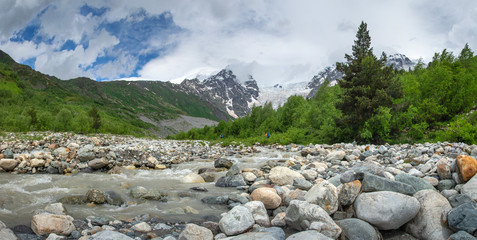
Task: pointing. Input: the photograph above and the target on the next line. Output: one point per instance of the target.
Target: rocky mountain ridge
(397, 61)
(224, 91)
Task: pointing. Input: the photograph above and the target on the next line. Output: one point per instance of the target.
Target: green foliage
(96, 118)
(367, 85)
(372, 103)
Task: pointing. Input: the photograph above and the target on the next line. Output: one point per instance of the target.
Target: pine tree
(367, 84)
(94, 114)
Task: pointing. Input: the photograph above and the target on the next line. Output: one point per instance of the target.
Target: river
(22, 194)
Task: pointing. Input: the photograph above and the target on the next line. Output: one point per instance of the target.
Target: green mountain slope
(30, 100)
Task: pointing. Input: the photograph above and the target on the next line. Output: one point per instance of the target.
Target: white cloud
(276, 41)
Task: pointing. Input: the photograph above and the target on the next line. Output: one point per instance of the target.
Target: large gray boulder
(109, 235)
(324, 195)
(372, 183)
(417, 182)
(463, 217)
(428, 222)
(301, 214)
(386, 210)
(236, 221)
(357, 229)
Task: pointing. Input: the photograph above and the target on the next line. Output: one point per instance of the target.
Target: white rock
(142, 227)
(283, 176)
(195, 232)
(336, 155)
(325, 195)
(236, 221)
(259, 213)
(192, 178)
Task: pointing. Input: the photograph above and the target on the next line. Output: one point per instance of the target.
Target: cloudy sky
(276, 41)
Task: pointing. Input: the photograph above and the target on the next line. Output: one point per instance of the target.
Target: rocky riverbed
(340, 191)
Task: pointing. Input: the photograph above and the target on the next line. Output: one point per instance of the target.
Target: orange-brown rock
(467, 167)
(268, 196)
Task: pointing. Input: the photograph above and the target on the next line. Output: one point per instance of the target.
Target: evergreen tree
(367, 84)
(94, 114)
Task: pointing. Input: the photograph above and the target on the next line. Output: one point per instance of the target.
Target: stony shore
(340, 191)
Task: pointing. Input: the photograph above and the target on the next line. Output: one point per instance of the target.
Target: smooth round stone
(357, 229)
(386, 210)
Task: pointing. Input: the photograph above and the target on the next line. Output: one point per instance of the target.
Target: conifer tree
(367, 85)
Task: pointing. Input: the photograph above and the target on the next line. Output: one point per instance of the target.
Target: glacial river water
(22, 194)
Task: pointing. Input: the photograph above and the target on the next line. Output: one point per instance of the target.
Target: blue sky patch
(85, 10)
(68, 45)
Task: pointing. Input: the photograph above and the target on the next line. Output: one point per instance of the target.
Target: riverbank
(420, 191)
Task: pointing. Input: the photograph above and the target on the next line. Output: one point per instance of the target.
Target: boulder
(8, 164)
(463, 217)
(302, 184)
(467, 167)
(45, 223)
(416, 182)
(86, 153)
(470, 188)
(109, 235)
(142, 227)
(259, 213)
(95, 196)
(461, 235)
(6, 233)
(279, 220)
(221, 200)
(459, 199)
(35, 162)
(283, 176)
(348, 192)
(98, 163)
(372, 183)
(308, 235)
(192, 178)
(236, 221)
(357, 229)
(386, 210)
(428, 224)
(335, 156)
(273, 233)
(113, 198)
(223, 163)
(249, 177)
(56, 208)
(444, 169)
(138, 191)
(324, 195)
(268, 196)
(300, 214)
(195, 232)
(231, 181)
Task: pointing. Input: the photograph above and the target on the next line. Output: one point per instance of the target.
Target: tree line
(372, 103)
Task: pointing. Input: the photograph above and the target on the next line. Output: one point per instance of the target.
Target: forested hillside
(32, 101)
(372, 103)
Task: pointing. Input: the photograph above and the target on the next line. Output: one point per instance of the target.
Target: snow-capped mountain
(279, 94)
(398, 61)
(224, 91)
(329, 73)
